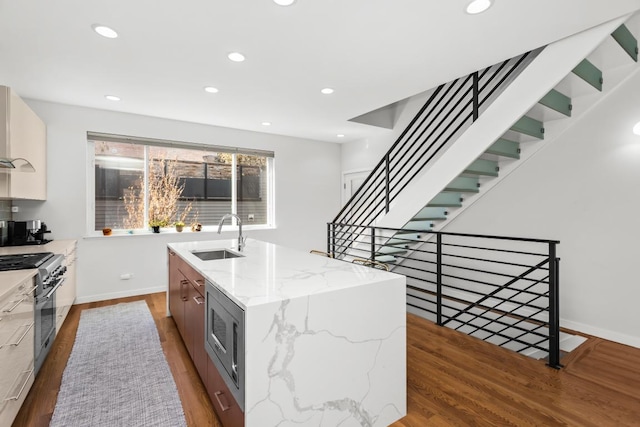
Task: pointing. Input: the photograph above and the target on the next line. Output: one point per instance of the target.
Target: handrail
(498, 288)
(450, 108)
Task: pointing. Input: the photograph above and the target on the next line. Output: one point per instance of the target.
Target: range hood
(20, 164)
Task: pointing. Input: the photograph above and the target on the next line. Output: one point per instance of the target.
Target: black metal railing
(504, 290)
(451, 108)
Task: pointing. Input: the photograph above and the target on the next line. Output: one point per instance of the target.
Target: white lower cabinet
(66, 293)
(16, 349)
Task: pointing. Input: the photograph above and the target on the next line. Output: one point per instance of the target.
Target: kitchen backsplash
(5, 210)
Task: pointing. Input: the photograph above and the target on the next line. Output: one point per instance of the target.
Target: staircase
(471, 134)
(505, 151)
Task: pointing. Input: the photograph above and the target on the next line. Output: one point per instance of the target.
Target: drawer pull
(198, 301)
(17, 303)
(16, 397)
(224, 407)
(31, 290)
(15, 344)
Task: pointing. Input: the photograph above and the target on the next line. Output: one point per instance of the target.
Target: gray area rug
(117, 374)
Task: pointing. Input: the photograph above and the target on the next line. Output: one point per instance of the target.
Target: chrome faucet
(240, 238)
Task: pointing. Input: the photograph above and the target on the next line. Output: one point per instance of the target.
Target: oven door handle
(55, 288)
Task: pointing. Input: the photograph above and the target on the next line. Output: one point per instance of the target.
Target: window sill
(213, 230)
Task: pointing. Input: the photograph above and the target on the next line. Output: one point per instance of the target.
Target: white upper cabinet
(23, 135)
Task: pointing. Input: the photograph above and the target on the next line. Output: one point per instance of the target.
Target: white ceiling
(372, 52)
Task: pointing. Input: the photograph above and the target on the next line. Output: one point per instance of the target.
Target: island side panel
(335, 358)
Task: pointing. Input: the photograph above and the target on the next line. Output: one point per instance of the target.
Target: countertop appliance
(21, 233)
(225, 339)
(50, 276)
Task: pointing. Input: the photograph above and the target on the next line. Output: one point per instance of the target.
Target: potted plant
(180, 222)
(155, 224)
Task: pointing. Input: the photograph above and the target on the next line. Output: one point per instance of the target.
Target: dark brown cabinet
(223, 402)
(194, 323)
(187, 306)
(177, 291)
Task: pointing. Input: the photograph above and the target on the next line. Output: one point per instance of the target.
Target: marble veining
(320, 373)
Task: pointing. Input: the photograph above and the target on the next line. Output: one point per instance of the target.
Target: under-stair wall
(582, 188)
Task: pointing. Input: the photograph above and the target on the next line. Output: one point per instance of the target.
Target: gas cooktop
(23, 261)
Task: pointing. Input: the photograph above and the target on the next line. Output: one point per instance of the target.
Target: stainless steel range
(50, 276)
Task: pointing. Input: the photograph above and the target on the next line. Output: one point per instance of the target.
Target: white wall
(581, 189)
(307, 191)
(364, 154)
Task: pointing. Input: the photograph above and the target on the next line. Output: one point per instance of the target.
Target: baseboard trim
(123, 294)
(601, 333)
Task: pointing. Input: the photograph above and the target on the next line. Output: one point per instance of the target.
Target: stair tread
(419, 225)
(400, 239)
(463, 184)
(386, 259)
(390, 250)
(627, 41)
(482, 167)
(589, 73)
(529, 126)
(505, 148)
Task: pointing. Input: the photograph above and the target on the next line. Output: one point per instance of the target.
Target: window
(139, 181)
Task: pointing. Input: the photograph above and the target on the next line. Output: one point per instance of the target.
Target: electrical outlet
(15, 209)
(251, 217)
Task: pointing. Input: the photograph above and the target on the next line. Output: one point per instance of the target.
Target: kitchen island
(324, 340)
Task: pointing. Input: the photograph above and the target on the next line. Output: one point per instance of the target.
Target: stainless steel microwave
(225, 340)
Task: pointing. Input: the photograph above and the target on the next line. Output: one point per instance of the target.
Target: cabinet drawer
(196, 280)
(11, 401)
(223, 401)
(22, 292)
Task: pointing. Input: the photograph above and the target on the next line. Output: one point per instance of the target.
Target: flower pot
(106, 231)
(156, 228)
(179, 228)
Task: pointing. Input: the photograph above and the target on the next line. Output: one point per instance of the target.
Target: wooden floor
(453, 379)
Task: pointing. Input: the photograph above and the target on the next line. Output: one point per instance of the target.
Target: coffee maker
(26, 233)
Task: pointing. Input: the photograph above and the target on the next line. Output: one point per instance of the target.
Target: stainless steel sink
(216, 254)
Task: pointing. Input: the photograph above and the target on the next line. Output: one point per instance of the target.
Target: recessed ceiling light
(236, 56)
(636, 129)
(478, 6)
(284, 2)
(340, 135)
(211, 89)
(105, 31)
(112, 97)
(266, 123)
(327, 91)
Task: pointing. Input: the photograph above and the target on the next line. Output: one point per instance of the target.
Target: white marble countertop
(269, 273)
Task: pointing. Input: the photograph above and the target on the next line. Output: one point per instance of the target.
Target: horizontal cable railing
(449, 111)
(500, 289)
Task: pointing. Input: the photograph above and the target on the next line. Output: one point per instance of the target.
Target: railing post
(554, 308)
(439, 279)
(386, 183)
(373, 244)
(329, 238)
(476, 96)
